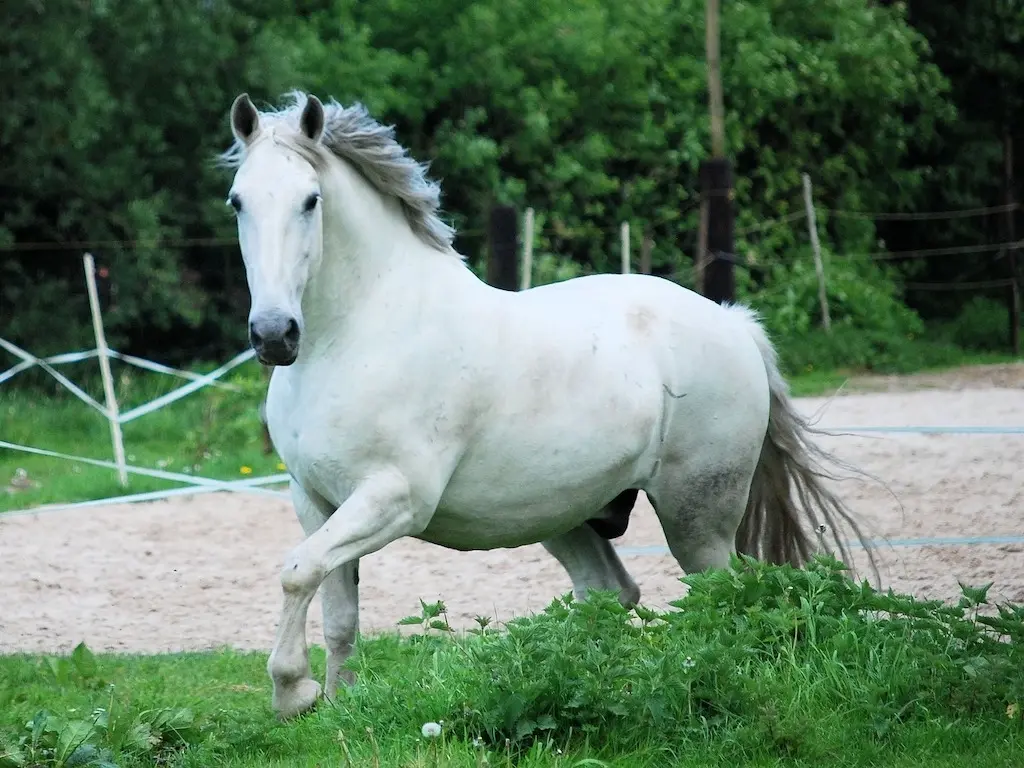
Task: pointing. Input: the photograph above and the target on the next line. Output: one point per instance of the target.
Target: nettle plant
(104, 736)
(753, 651)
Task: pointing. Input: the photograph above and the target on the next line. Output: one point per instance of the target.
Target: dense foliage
(725, 665)
(591, 112)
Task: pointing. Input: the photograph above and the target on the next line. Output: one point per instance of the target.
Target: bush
(982, 325)
(755, 654)
(871, 328)
(848, 348)
(860, 295)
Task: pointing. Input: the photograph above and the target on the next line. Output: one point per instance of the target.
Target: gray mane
(351, 134)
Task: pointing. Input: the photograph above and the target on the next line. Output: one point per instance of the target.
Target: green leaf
(432, 610)
(976, 595)
(646, 614)
(140, 737)
(40, 723)
(525, 728)
(12, 756)
(546, 723)
(60, 668)
(73, 734)
(84, 661)
(83, 756)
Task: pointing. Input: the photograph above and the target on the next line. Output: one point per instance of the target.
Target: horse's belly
(525, 492)
(503, 525)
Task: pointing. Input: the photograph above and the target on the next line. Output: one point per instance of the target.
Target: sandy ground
(200, 572)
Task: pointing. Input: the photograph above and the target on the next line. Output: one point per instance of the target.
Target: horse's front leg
(383, 508)
(339, 593)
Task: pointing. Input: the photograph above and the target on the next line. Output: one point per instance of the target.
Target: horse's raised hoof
(298, 698)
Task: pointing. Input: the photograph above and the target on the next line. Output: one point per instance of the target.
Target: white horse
(409, 398)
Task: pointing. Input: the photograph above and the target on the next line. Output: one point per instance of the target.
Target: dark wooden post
(503, 253)
(716, 188)
(716, 176)
(645, 252)
(1011, 237)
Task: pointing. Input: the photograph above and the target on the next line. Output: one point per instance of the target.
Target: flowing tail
(790, 482)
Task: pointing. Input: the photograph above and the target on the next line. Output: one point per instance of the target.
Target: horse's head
(277, 201)
(314, 180)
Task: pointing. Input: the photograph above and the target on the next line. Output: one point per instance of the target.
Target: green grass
(759, 666)
(812, 382)
(214, 432)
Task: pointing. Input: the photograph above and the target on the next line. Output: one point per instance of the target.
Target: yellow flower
(281, 466)
(246, 470)
(1013, 710)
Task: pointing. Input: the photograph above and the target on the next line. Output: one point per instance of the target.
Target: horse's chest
(332, 440)
(316, 453)
(331, 473)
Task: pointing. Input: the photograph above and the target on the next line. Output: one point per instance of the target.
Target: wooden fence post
(812, 227)
(716, 189)
(503, 254)
(716, 175)
(1011, 237)
(645, 252)
(526, 279)
(700, 260)
(624, 245)
(113, 415)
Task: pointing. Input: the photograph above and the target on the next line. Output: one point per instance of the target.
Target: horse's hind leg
(592, 563)
(700, 512)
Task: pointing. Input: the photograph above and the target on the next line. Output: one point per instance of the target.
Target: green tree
(113, 112)
(978, 46)
(592, 112)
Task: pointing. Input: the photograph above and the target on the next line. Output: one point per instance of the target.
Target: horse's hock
(201, 572)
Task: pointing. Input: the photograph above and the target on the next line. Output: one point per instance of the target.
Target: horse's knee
(301, 573)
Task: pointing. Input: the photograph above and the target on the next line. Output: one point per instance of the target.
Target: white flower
(689, 663)
(431, 730)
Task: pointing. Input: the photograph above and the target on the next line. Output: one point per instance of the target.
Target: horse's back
(694, 343)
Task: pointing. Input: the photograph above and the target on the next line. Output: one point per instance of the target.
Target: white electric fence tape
(178, 477)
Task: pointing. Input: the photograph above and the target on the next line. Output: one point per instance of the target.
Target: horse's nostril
(254, 335)
(291, 334)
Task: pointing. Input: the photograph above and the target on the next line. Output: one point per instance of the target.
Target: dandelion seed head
(431, 730)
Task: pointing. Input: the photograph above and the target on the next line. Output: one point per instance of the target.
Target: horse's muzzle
(274, 337)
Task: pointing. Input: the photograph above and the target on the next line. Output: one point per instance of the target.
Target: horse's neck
(374, 269)
(364, 281)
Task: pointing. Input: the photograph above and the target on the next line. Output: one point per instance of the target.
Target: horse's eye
(235, 202)
(310, 203)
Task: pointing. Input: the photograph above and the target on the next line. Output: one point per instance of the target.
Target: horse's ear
(245, 120)
(312, 120)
